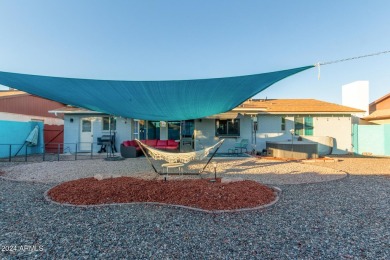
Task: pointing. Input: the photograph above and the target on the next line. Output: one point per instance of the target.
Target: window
(187, 128)
(303, 126)
(229, 127)
(86, 126)
(109, 123)
(136, 130)
(309, 126)
(139, 129)
(153, 130)
(174, 130)
(283, 124)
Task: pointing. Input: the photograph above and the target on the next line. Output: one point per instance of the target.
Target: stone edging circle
(277, 192)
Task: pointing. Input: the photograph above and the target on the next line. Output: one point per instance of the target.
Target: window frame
(111, 123)
(283, 123)
(305, 127)
(229, 123)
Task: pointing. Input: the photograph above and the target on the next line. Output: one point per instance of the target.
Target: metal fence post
(25, 155)
(10, 152)
(75, 154)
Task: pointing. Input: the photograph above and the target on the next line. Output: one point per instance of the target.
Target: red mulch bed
(200, 193)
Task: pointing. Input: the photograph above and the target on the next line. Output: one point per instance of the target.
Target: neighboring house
(379, 111)
(19, 113)
(373, 138)
(258, 121)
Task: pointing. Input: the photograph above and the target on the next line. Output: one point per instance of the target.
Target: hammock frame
(186, 173)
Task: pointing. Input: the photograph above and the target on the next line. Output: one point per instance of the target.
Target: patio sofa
(131, 149)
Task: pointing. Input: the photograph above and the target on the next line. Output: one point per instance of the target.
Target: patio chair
(242, 145)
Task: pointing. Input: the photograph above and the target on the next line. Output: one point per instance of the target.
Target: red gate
(53, 136)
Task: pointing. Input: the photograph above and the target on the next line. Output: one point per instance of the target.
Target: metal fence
(52, 152)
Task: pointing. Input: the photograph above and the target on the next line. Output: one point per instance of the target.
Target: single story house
(372, 137)
(258, 120)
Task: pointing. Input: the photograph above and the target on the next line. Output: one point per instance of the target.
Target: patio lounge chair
(242, 145)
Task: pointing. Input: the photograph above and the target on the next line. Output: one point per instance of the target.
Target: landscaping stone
(229, 180)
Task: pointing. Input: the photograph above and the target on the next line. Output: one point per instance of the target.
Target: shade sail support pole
(212, 156)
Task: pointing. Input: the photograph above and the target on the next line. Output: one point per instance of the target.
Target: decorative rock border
(277, 192)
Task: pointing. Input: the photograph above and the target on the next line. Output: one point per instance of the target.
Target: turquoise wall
(15, 133)
(387, 139)
(373, 139)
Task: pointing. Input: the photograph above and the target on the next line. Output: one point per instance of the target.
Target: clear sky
(176, 39)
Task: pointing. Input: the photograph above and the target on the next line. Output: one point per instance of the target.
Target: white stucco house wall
(309, 119)
(259, 121)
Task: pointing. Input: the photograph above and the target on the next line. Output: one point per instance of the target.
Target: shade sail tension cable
(319, 64)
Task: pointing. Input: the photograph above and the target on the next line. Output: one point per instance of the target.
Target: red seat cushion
(132, 143)
(152, 142)
(172, 143)
(162, 142)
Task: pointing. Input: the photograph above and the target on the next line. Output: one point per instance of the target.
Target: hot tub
(297, 150)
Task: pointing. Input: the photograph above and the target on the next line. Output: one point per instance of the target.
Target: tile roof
(258, 106)
(10, 93)
(380, 99)
(378, 115)
(294, 106)
(72, 110)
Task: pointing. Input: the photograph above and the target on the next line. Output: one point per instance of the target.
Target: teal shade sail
(149, 100)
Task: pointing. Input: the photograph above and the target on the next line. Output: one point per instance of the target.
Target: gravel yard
(342, 219)
(359, 164)
(265, 171)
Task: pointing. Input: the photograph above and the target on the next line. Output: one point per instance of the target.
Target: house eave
(78, 112)
(307, 113)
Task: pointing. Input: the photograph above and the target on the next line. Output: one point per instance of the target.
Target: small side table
(168, 166)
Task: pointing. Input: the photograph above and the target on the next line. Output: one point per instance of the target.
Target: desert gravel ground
(359, 164)
(266, 171)
(346, 218)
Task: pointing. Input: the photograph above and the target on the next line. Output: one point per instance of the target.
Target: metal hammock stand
(205, 151)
